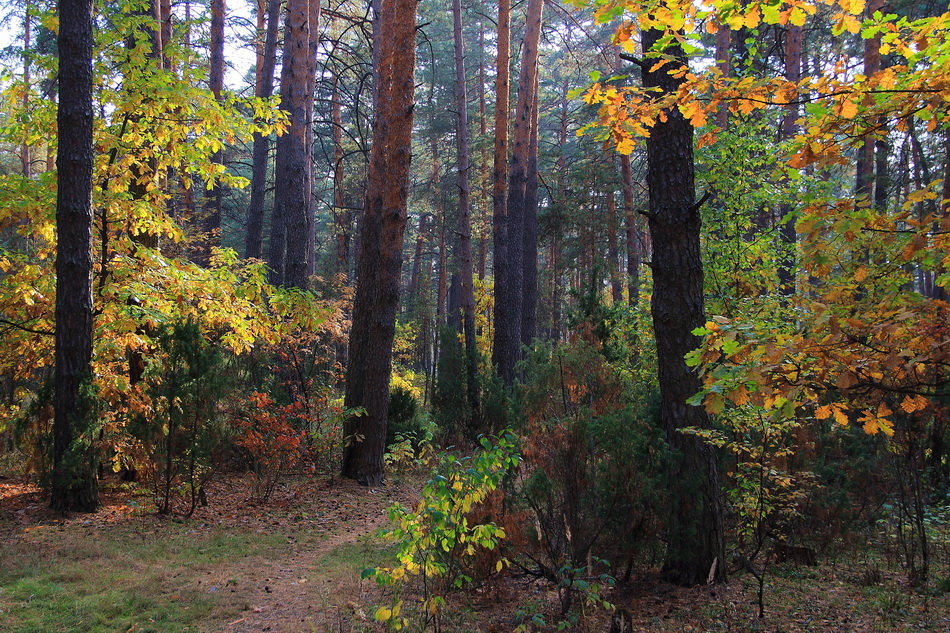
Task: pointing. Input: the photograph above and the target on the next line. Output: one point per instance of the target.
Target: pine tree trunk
(26, 151)
(508, 288)
(695, 532)
(261, 146)
(74, 486)
(211, 218)
(529, 256)
(288, 244)
(465, 264)
(501, 346)
(632, 227)
(378, 271)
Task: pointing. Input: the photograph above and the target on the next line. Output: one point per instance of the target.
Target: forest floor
(293, 566)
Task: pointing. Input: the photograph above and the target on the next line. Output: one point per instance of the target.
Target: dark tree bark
(211, 217)
(378, 271)
(261, 147)
(287, 252)
(74, 486)
(508, 288)
(695, 547)
(501, 347)
(465, 263)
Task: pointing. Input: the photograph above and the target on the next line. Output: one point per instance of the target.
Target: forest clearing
(429, 315)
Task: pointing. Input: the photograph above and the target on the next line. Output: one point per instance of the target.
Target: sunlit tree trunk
(501, 346)
(74, 486)
(377, 280)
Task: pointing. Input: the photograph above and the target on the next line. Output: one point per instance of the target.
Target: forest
(587, 315)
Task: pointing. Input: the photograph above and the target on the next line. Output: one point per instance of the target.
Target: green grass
(103, 582)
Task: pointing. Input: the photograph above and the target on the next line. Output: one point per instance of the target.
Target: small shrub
(185, 382)
(265, 433)
(438, 540)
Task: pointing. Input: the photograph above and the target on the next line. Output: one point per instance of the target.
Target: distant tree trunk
(529, 256)
(261, 147)
(415, 275)
(613, 250)
(501, 346)
(465, 264)
(377, 280)
(211, 218)
(632, 226)
(724, 63)
(74, 486)
(288, 244)
(309, 244)
(341, 214)
(787, 233)
(864, 166)
(695, 545)
(483, 133)
(508, 289)
(26, 153)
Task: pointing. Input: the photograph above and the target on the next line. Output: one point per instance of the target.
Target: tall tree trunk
(211, 219)
(501, 346)
(787, 234)
(529, 256)
(288, 244)
(508, 289)
(465, 265)
(309, 244)
(695, 546)
(74, 486)
(377, 281)
(632, 227)
(261, 146)
(483, 134)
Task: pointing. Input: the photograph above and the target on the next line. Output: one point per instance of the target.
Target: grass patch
(121, 580)
(352, 558)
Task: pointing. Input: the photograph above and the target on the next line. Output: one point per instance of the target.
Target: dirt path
(316, 585)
